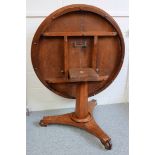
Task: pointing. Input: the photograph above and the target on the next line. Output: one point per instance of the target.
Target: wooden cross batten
(92, 33)
(82, 34)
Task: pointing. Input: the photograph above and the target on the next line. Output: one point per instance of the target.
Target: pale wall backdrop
(39, 97)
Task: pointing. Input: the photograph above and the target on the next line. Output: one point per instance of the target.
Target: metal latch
(80, 44)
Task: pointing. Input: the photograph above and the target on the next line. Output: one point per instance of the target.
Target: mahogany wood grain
(90, 126)
(93, 33)
(66, 80)
(83, 74)
(81, 110)
(77, 52)
(94, 53)
(77, 23)
(66, 56)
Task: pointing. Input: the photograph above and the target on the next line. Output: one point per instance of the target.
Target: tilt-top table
(77, 52)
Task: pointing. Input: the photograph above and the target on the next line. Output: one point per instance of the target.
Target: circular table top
(87, 30)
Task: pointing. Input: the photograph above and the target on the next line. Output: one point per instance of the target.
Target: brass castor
(107, 145)
(41, 123)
